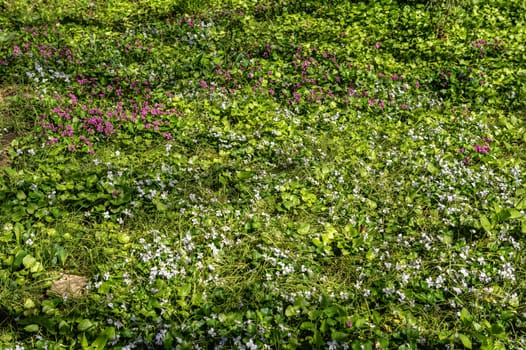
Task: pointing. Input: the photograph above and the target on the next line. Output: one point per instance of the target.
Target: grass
(262, 174)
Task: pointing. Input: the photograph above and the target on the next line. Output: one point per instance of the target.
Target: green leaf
(159, 205)
(303, 228)
(515, 214)
(485, 223)
(32, 328)
(84, 342)
(338, 336)
(308, 325)
(465, 340)
(100, 342)
(84, 325)
(29, 261)
(465, 315)
(29, 304)
(432, 169)
(290, 311)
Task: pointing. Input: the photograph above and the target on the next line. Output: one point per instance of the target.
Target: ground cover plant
(262, 174)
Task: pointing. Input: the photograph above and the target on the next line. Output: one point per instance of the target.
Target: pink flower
(484, 149)
(377, 45)
(17, 51)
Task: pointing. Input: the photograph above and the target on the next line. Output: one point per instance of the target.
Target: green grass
(263, 174)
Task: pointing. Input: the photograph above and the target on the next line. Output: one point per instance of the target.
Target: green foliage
(269, 173)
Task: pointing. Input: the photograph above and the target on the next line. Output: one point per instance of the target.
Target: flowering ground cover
(257, 174)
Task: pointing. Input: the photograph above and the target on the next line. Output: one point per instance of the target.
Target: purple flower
(484, 149)
(17, 51)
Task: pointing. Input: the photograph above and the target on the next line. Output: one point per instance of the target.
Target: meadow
(262, 174)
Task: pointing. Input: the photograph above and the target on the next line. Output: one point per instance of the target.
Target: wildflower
(16, 51)
(250, 345)
(332, 345)
(484, 149)
(378, 45)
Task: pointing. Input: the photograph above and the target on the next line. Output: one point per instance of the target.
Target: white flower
(250, 345)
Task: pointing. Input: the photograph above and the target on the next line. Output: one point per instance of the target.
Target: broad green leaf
(308, 325)
(515, 214)
(32, 328)
(339, 336)
(29, 304)
(84, 325)
(485, 223)
(100, 342)
(465, 315)
(21, 195)
(303, 228)
(465, 340)
(29, 261)
(290, 311)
